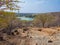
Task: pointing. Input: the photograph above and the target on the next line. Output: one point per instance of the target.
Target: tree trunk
(43, 24)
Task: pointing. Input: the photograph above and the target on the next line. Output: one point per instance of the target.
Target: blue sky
(39, 6)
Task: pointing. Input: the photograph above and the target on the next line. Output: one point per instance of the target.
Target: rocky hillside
(31, 36)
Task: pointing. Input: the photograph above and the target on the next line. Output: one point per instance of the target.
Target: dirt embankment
(31, 36)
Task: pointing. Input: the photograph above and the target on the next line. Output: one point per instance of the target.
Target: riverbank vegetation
(44, 20)
(8, 19)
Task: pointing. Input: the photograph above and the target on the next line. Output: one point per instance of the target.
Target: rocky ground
(31, 36)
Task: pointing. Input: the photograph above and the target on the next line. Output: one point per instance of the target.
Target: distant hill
(32, 14)
(25, 14)
(56, 13)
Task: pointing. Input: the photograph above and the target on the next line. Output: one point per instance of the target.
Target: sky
(39, 6)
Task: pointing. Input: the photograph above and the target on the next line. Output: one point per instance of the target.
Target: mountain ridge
(30, 14)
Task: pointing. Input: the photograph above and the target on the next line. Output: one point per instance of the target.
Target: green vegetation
(6, 18)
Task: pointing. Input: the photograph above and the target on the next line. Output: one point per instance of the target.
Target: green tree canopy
(6, 18)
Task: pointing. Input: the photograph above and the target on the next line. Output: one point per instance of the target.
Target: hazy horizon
(40, 12)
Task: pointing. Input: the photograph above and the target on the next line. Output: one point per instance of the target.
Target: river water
(25, 18)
